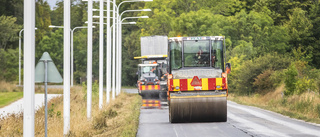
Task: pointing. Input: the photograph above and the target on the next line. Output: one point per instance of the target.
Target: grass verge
(9, 87)
(9, 93)
(7, 98)
(119, 118)
(305, 106)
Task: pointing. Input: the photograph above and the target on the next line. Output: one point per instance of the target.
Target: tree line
(269, 42)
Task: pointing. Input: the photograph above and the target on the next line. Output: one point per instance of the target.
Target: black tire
(163, 96)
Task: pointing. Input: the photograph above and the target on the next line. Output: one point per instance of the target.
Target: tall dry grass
(305, 106)
(119, 118)
(9, 87)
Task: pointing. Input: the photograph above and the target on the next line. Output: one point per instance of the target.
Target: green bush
(242, 80)
(95, 87)
(318, 110)
(290, 80)
(303, 85)
(263, 81)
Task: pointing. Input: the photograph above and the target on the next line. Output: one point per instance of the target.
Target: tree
(53, 44)
(159, 22)
(9, 64)
(43, 19)
(131, 49)
(299, 27)
(8, 30)
(314, 15)
(199, 23)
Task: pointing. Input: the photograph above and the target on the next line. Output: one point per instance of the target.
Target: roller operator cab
(197, 79)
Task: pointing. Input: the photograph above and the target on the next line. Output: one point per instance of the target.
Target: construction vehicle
(151, 82)
(197, 79)
(154, 49)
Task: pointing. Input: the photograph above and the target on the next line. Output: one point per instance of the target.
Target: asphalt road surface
(132, 91)
(243, 121)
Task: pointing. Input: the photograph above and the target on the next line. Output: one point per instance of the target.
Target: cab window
(196, 53)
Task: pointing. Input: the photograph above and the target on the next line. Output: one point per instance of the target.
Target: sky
(52, 3)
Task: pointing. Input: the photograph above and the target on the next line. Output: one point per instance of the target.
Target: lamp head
(144, 16)
(146, 10)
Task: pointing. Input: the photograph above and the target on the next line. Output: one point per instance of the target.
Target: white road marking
(256, 127)
(296, 127)
(175, 131)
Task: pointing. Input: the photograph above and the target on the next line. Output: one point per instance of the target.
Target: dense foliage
(269, 42)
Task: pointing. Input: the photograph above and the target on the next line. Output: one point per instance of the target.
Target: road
(243, 121)
(132, 91)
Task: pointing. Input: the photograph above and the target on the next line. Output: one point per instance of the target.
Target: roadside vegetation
(8, 97)
(119, 118)
(9, 93)
(305, 106)
(285, 84)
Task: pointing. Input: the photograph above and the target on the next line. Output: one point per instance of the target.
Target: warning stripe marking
(149, 87)
(207, 84)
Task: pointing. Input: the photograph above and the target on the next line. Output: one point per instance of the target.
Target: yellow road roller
(197, 79)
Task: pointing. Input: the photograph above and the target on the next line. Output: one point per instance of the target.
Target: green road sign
(53, 73)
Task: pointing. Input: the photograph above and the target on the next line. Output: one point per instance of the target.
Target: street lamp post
(113, 50)
(81, 27)
(29, 63)
(119, 62)
(20, 55)
(101, 56)
(119, 47)
(114, 42)
(118, 88)
(108, 55)
(66, 66)
(89, 61)
(108, 75)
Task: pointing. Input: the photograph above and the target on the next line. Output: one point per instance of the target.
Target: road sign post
(42, 75)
